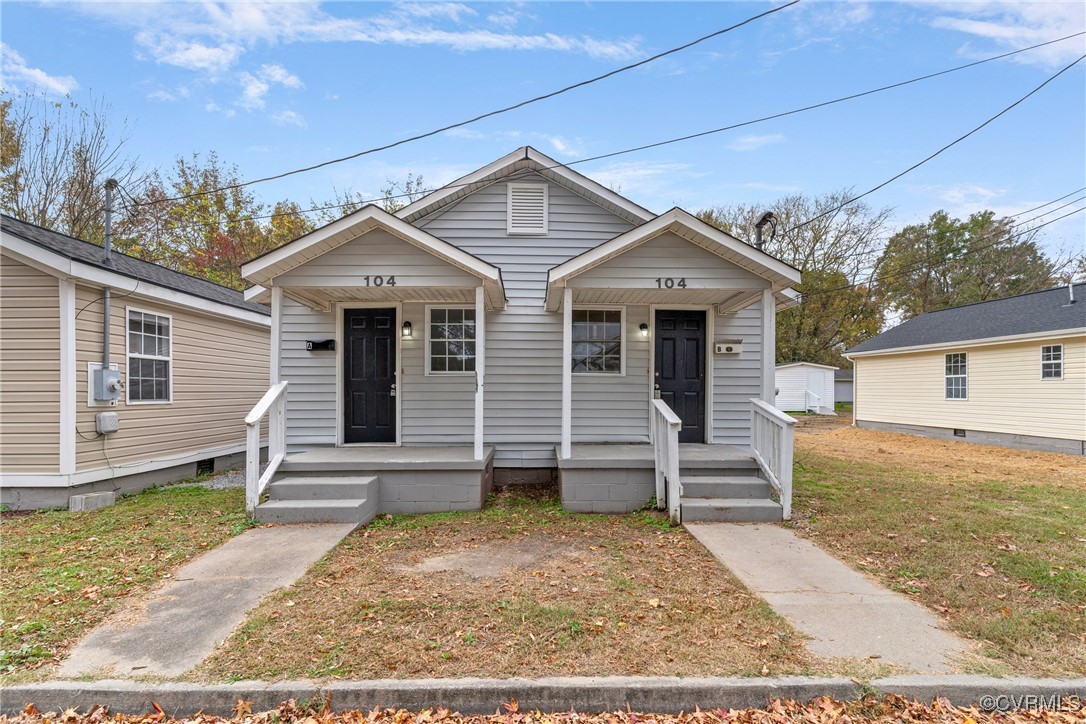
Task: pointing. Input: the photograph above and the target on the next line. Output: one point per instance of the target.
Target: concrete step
(306, 487)
(734, 466)
(358, 511)
(726, 486)
(731, 510)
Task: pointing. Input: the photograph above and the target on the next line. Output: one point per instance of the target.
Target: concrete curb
(484, 696)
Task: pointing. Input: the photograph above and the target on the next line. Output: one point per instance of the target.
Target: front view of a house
(522, 318)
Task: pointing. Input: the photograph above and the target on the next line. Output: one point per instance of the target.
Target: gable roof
(526, 158)
(84, 252)
(689, 227)
(807, 364)
(1036, 313)
(263, 269)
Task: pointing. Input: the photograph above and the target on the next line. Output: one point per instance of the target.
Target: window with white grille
(527, 208)
(149, 357)
(1052, 362)
(957, 386)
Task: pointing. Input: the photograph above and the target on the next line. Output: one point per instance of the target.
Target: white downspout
(567, 374)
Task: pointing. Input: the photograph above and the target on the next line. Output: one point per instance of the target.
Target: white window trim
(1044, 362)
(965, 377)
(447, 373)
(622, 342)
(509, 209)
(128, 355)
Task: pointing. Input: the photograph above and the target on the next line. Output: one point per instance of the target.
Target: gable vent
(527, 208)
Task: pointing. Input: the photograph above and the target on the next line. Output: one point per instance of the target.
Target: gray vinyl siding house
(520, 247)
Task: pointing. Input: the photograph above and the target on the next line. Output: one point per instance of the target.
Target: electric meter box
(729, 346)
(107, 385)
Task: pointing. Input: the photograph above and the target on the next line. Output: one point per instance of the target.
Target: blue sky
(274, 86)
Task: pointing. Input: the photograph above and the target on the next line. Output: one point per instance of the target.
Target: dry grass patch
(993, 540)
(63, 573)
(521, 588)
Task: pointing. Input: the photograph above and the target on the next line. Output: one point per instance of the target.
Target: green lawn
(1000, 555)
(63, 572)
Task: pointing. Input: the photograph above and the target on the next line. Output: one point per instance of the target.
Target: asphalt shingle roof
(88, 253)
(1034, 313)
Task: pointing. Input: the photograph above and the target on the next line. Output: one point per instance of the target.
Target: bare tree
(61, 154)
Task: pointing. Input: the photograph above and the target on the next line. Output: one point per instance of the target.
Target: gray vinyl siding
(311, 396)
(523, 400)
(737, 378)
(615, 408)
(377, 253)
(670, 256)
(437, 409)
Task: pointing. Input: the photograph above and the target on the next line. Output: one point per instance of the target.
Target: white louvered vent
(527, 208)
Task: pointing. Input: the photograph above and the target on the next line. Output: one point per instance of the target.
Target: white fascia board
(506, 165)
(646, 232)
(787, 298)
(806, 364)
(258, 294)
(968, 343)
(61, 266)
(278, 262)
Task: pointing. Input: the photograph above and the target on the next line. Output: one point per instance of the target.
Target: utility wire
(482, 116)
(1050, 211)
(953, 143)
(363, 202)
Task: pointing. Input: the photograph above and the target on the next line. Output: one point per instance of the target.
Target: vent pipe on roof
(1071, 291)
(107, 259)
(767, 218)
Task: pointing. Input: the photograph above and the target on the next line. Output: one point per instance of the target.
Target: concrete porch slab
(374, 458)
(846, 614)
(182, 622)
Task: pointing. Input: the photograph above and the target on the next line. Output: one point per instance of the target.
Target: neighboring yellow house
(1008, 372)
(191, 359)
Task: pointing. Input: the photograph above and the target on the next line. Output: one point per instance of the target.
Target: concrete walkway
(182, 622)
(845, 613)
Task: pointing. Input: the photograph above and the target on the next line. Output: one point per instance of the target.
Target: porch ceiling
(725, 300)
(322, 298)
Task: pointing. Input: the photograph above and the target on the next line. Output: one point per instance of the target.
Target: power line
(488, 114)
(953, 143)
(1076, 191)
(1050, 211)
(363, 202)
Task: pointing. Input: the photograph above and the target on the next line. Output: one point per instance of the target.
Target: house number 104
(670, 283)
(379, 281)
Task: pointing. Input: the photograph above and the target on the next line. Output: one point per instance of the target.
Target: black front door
(680, 368)
(369, 375)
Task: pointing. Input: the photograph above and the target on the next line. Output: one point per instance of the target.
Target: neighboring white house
(187, 358)
(842, 386)
(528, 322)
(805, 387)
(1008, 372)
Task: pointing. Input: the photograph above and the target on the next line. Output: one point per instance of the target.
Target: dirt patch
(955, 459)
(491, 560)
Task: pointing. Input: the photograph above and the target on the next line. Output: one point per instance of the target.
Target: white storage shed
(805, 387)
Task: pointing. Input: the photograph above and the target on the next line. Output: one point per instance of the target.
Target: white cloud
(17, 72)
(211, 37)
(288, 118)
(465, 133)
(1012, 25)
(753, 143)
(254, 88)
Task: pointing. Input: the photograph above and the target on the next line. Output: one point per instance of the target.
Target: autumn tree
(947, 262)
(835, 253)
(57, 156)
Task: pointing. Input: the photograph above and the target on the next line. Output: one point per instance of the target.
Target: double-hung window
(1052, 362)
(597, 341)
(957, 387)
(451, 340)
(149, 357)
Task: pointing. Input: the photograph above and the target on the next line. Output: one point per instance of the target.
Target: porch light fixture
(406, 329)
(644, 329)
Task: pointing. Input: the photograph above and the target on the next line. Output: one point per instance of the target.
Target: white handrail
(274, 402)
(772, 435)
(818, 401)
(665, 446)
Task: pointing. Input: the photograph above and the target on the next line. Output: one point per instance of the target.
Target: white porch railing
(772, 435)
(815, 406)
(274, 402)
(665, 444)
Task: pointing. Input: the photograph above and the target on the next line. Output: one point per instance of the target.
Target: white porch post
(480, 369)
(769, 347)
(567, 373)
(275, 358)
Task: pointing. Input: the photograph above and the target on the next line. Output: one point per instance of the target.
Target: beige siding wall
(220, 370)
(29, 369)
(1006, 392)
